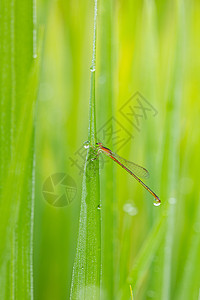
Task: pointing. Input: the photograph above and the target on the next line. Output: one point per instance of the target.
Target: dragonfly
(133, 169)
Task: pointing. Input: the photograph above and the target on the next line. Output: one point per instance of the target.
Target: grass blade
(108, 192)
(189, 283)
(87, 265)
(145, 256)
(11, 198)
(18, 91)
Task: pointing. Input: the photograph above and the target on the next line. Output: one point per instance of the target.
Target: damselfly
(133, 169)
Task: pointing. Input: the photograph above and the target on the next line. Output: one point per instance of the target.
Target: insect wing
(135, 168)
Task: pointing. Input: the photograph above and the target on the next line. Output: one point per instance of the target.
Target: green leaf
(14, 194)
(18, 93)
(105, 96)
(87, 264)
(145, 256)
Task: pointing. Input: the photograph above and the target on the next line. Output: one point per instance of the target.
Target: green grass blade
(108, 192)
(188, 285)
(18, 92)
(87, 264)
(13, 195)
(172, 149)
(145, 257)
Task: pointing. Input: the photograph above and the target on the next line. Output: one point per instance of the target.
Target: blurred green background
(150, 47)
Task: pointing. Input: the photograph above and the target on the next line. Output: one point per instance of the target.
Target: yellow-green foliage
(150, 47)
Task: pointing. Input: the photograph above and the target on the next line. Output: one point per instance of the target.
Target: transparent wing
(135, 168)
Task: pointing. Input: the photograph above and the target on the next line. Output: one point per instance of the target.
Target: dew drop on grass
(156, 202)
(92, 69)
(99, 206)
(86, 144)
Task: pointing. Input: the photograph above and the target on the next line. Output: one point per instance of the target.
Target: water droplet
(99, 206)
(92, 69)
(156, 202)
(86, 144)
(130, 209)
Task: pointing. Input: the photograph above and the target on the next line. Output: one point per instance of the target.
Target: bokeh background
(147, 54)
